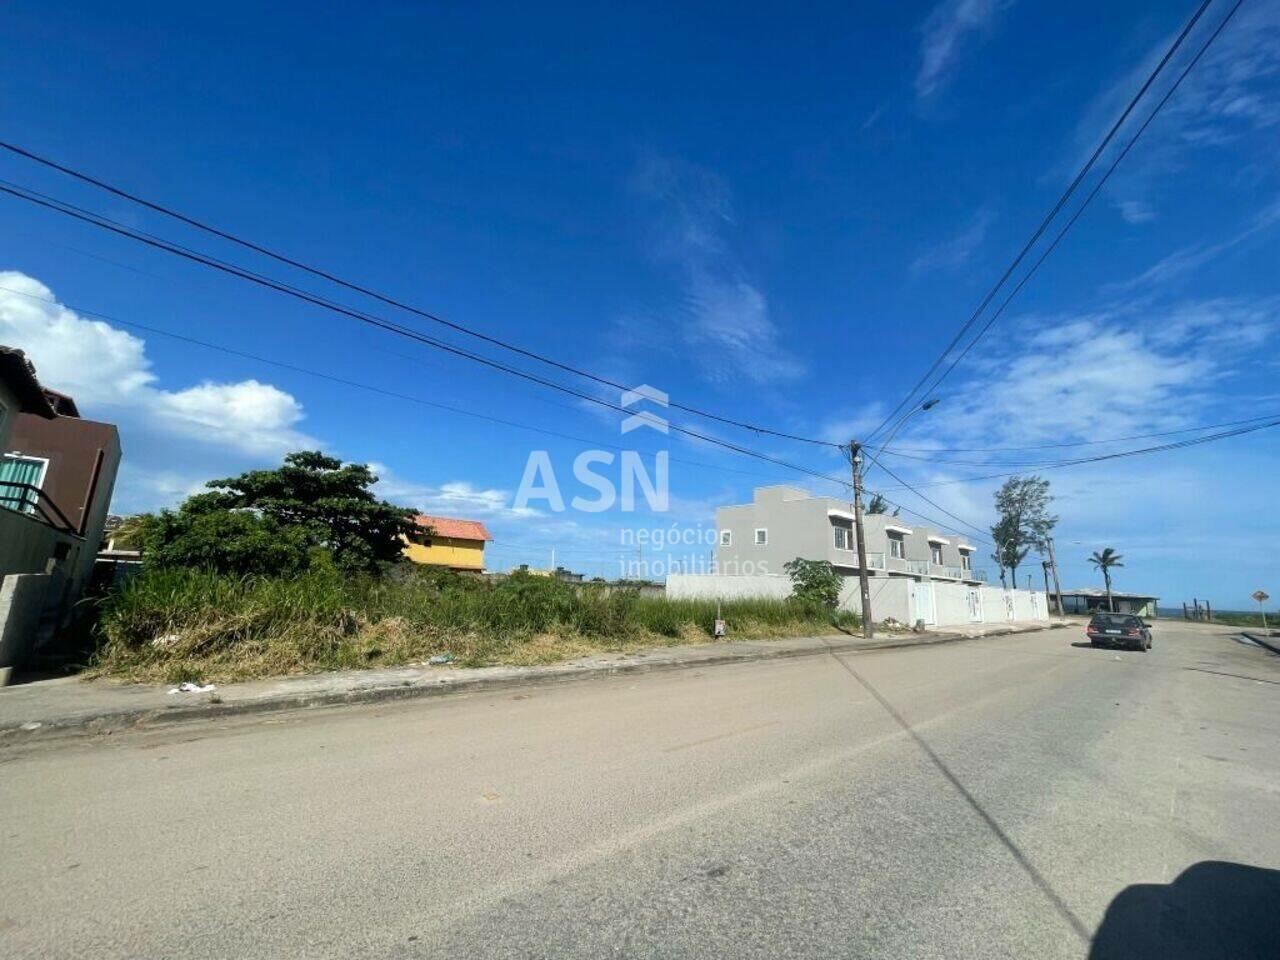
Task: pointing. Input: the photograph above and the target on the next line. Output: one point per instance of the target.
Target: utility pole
(1044, 565)
(855, 461)
(1057, 586)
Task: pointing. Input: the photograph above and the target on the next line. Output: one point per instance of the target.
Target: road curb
(112, 721)
(1268, 642)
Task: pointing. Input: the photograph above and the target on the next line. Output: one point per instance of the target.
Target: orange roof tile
(453, 527)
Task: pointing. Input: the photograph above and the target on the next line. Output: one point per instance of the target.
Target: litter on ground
(189, 687)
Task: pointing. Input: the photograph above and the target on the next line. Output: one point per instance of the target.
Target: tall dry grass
(183, 624)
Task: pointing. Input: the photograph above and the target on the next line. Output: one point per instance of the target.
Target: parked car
(1119, 628)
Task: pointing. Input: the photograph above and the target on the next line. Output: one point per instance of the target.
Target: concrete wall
(84, 456)
(891, 597)
(23, 600)
(27, 545)
(695, 586)
(38, 570)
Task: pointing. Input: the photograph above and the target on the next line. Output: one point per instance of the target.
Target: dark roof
(63, 405)
(1098, 592)
(16, 370)
(453, 527)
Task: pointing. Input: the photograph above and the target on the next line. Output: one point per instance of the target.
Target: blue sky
(782, 215)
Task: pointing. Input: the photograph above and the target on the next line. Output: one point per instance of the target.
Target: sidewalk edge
(119, 720)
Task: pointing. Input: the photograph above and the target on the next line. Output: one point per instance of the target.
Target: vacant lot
(174, 625)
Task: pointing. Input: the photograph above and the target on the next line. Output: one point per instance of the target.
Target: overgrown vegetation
(814, 582)
(276, 521)
(177, 623)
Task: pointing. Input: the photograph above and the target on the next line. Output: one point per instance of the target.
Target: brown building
(75, 463)
(57, 473)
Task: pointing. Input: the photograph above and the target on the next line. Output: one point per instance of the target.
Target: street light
(927, 405)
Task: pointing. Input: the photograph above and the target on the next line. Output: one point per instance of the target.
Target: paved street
(987, 798)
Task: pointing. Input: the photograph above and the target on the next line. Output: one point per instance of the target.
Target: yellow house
(448, 542)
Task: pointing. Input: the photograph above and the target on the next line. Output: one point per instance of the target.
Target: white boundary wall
(899, 598)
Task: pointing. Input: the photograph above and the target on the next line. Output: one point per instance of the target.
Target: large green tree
(270, 520)
(1022, 506)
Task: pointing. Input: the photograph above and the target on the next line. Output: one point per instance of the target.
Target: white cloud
(955, 252)
(1190, 258)
(255, 417)
(1229, 98)
(106, 368)
(1123, 369)
(730, 319)
(88, 359)
(457, 498)
(1136, 211)
(945, 32)
(725, 315)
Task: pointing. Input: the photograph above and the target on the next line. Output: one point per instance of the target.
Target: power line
(384, 298)
(936, 506)
(843, 484)
(1044, 223)
(906, 451)
(1160, 448)
(373, 320)
(382, 391)
(1093, 193)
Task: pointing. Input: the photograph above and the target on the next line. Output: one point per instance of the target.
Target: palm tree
(1104, 561)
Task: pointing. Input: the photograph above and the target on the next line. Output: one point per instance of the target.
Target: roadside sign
(1261, 596)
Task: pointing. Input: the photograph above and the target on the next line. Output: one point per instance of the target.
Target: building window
(935, 551)
(20, 478)
(843, 537)
(897, 548)
(762, 536)
(966, 562)
(726, 538)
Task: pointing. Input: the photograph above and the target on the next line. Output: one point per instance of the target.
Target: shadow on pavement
(1213, 909)
(1036, 877)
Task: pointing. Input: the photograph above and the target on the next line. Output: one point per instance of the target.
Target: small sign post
(1262, 597)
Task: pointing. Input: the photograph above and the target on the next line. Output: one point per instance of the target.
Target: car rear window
(1115, 620)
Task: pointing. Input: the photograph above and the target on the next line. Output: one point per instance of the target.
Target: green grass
(183, 624)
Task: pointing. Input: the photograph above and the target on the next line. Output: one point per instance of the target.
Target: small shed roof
(1118, 594)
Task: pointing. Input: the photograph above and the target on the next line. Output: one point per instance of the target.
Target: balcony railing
(875, 561)
(980, 575)
(29, 499)
(944, 570)
(919, 567)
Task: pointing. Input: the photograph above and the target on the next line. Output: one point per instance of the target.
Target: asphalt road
(992, 798)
